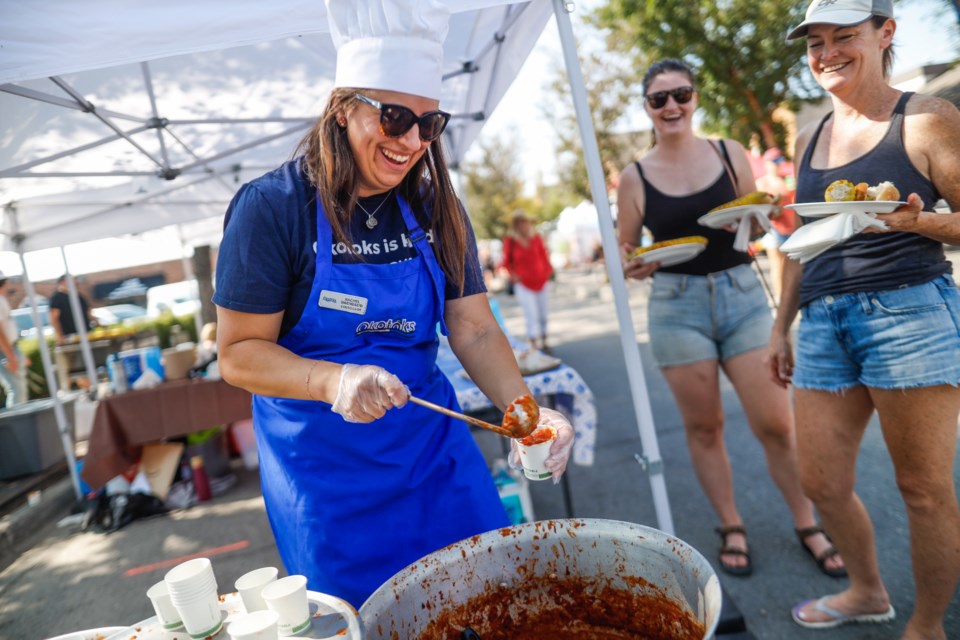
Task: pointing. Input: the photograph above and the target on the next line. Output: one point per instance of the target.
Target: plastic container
(29, 437)
(136, 361)
(201, 483)
(246, 442)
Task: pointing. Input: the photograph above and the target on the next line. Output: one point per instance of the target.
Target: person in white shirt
(12, 362)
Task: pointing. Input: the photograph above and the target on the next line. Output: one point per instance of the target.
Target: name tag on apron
(343, 302)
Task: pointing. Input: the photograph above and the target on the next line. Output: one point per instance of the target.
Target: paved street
(67, 581)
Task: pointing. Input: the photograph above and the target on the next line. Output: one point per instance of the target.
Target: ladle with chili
(519, 420)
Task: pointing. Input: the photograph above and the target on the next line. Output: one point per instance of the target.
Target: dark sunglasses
(396, 120)
(658, 99)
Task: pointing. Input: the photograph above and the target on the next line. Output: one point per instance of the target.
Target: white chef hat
(396, 45)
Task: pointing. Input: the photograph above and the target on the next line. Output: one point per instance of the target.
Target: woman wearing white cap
(334, 274)
(880, 326)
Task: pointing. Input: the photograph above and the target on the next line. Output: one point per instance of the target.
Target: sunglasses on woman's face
(396, 120)
(658, 99)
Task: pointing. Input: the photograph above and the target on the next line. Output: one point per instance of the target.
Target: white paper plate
(820, 209)
(330, 617)
(724, 217)
(672, 254)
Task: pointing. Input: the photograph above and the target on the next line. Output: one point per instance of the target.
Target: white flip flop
(838, 618)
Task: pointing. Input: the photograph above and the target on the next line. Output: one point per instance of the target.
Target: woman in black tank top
(880, 329)
(709, 312)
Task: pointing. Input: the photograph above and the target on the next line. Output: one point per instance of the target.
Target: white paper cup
(191, 576)
(288, 597)
(200, 615)
(162, 604)
(259, 625)
(193, 592)
(250, 584)
(533, 456)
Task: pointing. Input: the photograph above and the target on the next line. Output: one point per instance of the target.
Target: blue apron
(351, 504)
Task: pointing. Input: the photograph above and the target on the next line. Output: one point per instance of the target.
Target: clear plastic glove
(560, 449)
(366, 392)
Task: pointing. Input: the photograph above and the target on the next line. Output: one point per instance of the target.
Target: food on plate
(840, 191)
(883, 191)
(539, 436)
(639, 251)
(754, 197)
(845, 191)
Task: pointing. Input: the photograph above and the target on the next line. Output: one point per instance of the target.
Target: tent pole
(66, 437)
(188, 271)
(80, 322)
(628, 339)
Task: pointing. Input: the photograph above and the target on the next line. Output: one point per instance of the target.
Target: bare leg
(920, 429)
(696, 388)
(829, 431)
(767, 408)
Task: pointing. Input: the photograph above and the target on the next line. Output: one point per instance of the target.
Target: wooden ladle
(519, 420)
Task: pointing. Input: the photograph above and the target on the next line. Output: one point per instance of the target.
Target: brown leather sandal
(821, 560)
(726, 550)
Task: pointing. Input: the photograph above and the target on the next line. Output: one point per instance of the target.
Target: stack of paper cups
(193, 591)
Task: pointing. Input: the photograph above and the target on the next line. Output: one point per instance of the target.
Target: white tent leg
(80, 322)
(65, 436)
(631, 351)
(188, 271)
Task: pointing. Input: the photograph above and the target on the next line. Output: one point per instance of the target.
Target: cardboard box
(159, 463)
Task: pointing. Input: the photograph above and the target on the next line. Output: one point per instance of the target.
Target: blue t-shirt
(267, 260)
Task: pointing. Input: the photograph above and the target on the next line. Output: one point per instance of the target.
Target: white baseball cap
(394, 45)
(841, 12)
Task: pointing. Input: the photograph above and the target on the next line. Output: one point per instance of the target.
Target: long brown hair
(330, 166)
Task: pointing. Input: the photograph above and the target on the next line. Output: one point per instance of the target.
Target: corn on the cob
(840, 191)
(754, 197)
(667, 243)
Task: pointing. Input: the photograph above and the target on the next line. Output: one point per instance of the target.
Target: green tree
(610, 85)
(745, 68)
(494, 187)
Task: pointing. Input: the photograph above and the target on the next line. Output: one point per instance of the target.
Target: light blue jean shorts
(895, 339)
(712, 317)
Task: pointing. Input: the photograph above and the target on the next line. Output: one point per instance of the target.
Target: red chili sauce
(569, 609)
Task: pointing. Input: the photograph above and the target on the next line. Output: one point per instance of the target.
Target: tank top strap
(894, 133)
(808, 152)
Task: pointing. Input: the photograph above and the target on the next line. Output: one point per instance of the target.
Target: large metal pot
(519, 574)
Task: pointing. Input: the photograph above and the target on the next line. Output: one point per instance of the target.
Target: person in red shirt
(525, 257)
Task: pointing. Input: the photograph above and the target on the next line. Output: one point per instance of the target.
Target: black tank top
(668, 217)
(872, 261)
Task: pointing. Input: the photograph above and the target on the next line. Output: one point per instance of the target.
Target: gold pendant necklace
(371, 219)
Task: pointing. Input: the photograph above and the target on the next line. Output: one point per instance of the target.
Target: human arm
(12, 363)
(932, 143)
(780, 349)
(250, 358)
(630, 223)
(55, 323)
(486, 356)
(483, 349)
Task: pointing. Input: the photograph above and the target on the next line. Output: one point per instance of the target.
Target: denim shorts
(894, 339)
(712, 317)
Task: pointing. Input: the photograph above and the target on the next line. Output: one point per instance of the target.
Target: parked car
(178, 298)
(24, 320)
(118, 313)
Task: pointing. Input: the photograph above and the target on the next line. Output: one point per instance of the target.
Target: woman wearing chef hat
(335, 272)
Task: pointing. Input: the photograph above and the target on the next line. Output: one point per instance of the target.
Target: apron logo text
(384, 246)
(403, 326)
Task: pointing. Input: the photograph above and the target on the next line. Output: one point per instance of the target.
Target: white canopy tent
(119, 117)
